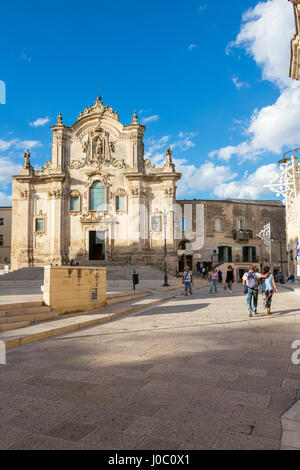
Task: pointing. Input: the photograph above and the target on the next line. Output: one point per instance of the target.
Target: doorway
(96, 245)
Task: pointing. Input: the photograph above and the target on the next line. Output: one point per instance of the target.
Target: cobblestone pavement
(192, 373)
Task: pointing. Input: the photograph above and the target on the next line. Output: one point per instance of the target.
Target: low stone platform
(67, 323)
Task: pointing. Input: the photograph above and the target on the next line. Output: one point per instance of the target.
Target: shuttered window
(97, 197)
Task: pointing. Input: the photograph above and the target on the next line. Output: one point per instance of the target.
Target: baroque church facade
(98, 201)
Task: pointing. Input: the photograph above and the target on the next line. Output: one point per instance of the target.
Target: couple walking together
(251, 281)
(214, 276)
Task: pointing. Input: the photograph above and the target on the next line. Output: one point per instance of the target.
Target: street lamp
(165, 214)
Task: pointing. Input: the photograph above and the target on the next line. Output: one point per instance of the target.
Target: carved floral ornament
(120, 192)
(137, 192)
(55, 194)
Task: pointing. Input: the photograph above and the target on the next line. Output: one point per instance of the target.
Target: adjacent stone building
(97, 201)
(5, 235)
(219, 233)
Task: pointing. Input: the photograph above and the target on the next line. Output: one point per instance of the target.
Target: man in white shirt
(251, 280)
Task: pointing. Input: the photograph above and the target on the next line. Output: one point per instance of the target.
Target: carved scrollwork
(90, 217)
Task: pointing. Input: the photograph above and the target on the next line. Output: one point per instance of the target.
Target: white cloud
(5, 200)
(250, 186)
(239, 84)
(25, 57)
(192, 46)
(40, 122)
(203, 178)
(18, 144)
(8, 168)
(148, 119)
(202, 8)
(6, 144)
(265, 34)
(194, 178)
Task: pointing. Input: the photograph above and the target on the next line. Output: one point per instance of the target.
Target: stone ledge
(291, 428)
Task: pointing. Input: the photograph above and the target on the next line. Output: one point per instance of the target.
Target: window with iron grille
(1, 240)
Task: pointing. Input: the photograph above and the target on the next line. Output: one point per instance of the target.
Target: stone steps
(69, 323)
(13, 326)
(125, 296)
(14, 316)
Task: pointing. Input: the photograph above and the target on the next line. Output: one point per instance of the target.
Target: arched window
(97, 197)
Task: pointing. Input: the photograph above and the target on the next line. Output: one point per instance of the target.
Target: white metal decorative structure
(265, 236)
(285, 185)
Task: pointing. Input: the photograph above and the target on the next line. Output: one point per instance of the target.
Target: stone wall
(74, 289)
(5, 231)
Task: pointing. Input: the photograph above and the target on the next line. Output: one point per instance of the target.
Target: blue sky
(203, 77)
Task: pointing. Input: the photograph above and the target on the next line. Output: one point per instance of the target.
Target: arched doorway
(185, 255)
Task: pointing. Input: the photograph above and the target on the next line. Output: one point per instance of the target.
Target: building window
(249, 254)
(241, 224)
(156, 223)
(185, 223)
(75, 203)
(39, 225)
(121, 203)
(225, 254)
(97, 197)
(1, 240)
(219, 225)
(1, 221)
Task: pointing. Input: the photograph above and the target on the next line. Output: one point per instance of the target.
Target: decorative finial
(59, 120)
(27, 159)
(134, 118)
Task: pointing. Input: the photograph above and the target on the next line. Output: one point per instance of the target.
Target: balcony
(242, 235)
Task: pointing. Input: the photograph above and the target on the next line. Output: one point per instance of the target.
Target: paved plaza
(191, 373)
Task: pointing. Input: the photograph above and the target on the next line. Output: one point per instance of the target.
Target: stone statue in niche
(99, 148)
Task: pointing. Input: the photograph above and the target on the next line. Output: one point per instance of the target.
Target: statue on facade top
(27, 163)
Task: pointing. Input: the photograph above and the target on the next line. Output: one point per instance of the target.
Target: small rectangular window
(185, 223)
(75, 204)
(156, 224)
(121, 203)
(1, 240)
(39, 225)
(1, 221)
(241, 225)
(218, 225)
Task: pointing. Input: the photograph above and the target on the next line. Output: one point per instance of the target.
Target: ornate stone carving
(99, 109)
(25, 195)
(170, 192)
(90, 217)
(137, 192)
(148, 164)
(55, 194)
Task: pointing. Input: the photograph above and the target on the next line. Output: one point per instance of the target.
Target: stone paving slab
(191, 373)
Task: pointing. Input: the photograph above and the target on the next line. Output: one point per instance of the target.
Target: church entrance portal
(96, 245)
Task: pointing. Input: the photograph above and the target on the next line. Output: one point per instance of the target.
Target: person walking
(250, 283)
(268, 287)
(220, 276)
(229, 278)
(213, 277)
(187, 280)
